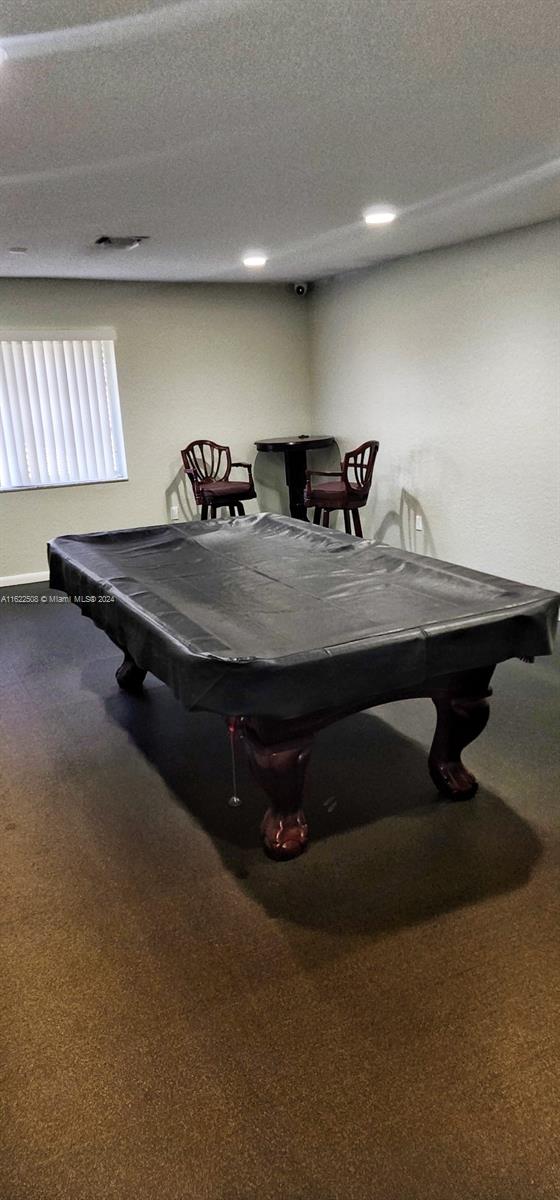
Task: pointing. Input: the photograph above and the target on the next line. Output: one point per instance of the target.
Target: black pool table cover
(267, 616)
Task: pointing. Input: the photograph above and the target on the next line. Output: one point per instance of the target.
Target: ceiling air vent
(119, 243)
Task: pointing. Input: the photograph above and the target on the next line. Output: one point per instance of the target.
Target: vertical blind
(60, 418)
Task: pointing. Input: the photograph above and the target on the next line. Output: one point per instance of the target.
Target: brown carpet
(182, 1019)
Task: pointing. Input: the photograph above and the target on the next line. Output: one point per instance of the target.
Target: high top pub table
(295, 450)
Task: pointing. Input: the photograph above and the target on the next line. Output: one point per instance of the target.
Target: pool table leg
(280, 766)
(130, 677)
(462, 714)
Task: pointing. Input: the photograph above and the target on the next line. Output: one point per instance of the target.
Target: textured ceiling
(220, 126)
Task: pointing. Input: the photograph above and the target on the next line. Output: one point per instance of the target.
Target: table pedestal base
(295, 461)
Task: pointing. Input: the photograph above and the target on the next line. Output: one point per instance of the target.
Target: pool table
(284, 627)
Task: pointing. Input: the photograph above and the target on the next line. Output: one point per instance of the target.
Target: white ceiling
(220, 126)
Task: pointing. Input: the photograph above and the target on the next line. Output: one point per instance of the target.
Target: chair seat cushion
(334, 495)
(328, 494)
(222, 489)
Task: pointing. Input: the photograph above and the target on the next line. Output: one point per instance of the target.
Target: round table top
(305, 441)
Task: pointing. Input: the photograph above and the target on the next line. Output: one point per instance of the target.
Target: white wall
(226, 362)
(451, 360)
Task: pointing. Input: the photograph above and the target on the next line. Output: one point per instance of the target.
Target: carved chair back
(357, 468)
(205, 460)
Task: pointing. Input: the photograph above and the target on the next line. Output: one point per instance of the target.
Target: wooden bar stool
(208, 467)
(348, 491)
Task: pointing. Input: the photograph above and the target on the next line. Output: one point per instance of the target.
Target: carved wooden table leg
(462, 714)
(130, 677)
(280, 765)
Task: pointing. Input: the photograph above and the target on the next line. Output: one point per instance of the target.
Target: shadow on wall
(179, 495)
(404, 521)
(270, 483)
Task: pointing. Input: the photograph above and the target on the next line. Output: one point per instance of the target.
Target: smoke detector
(119, 243)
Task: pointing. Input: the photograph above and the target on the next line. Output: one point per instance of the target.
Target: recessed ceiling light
(18, 249)
(381, 215)
(255, 259)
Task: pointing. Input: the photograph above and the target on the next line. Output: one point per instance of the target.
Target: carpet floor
(182, 1019)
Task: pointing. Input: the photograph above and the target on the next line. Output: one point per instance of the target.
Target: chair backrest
(357, 468)
(204, 460)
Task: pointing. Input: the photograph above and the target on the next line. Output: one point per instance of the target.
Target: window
(60, 419)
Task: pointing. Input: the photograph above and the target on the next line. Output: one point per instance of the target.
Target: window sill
(49, 487)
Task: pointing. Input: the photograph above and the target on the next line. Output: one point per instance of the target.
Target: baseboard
(15, 580)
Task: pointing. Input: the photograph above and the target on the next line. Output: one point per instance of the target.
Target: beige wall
(451, 360)
(226, 362)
